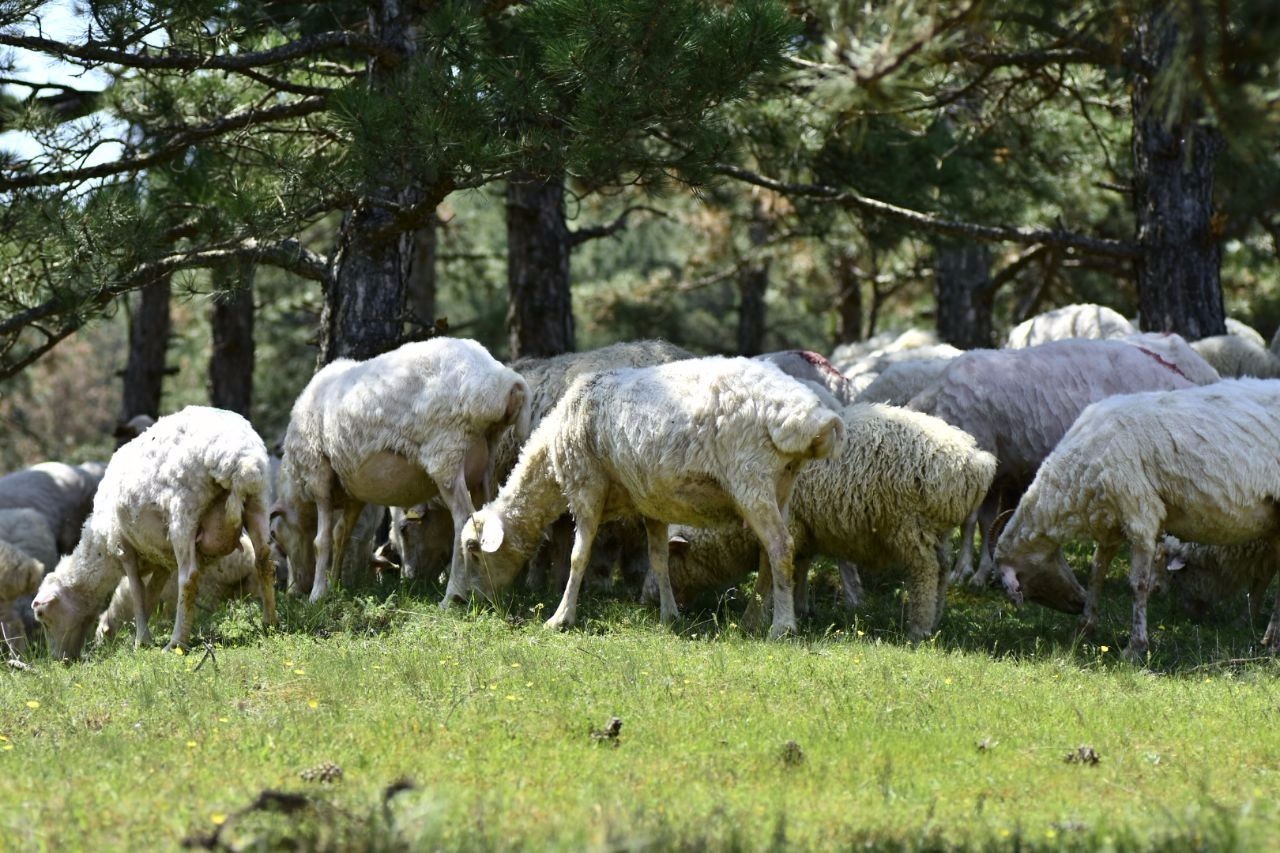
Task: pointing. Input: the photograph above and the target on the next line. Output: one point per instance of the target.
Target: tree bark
(963, 294)
(1180, 255)
(148, 342)
(231, 359)
(421, 295)
(753, 282)
(540, 305)
(849, 300)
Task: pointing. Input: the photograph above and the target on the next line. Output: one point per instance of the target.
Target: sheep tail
(814, 433)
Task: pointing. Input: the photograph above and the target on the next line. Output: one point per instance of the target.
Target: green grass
(957, 743)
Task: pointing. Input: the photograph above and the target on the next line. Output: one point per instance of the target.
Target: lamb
(178, 497)
(1019, 402)
(1071, 321)
(702, 441)
(1232, 355)
(1201, 575)
(1200, 463)
(395, 430)
(901, 482)
(63, 494)
(810, 367)
(233, 576)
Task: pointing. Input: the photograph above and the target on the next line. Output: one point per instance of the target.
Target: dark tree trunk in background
(421, 296)
(540, 306)
(1179, 266)
(963, 292)
(231, 359)
(148, 342)
(365, 301)
(753, 282)
(849, 300)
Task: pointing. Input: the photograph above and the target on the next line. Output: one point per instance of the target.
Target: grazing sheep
(20, 575)
(1174, 349)
(810, 367)
(63, 494)
(1071, 321)
(901, 381)
(1234, 356)
(1019, 402)
(901, 482)
(702, 441)
(1200, 463)
(866, 371)
(1199, 576)
(177, 496)
(1244, 330)
(847, 355)
(233, 576)
(395, 430)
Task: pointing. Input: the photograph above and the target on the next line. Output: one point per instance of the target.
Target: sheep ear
(677, 544)
(491, 534)
(1175, 564)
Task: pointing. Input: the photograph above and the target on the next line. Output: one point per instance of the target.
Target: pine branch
(68, 104)
(93, 53)
(929, 222)
(583, 235)
(178, 142)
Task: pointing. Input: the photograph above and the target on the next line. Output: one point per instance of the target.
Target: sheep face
(292, 540)
(491, 567)
(66, 619)
(1036, 571)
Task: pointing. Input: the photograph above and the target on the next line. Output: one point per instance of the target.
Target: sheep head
(491, 567)
(1035, 570)
(65, 617)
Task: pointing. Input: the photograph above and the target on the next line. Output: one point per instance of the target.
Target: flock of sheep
(690, 473)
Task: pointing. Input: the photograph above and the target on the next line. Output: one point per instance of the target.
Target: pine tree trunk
(849, 301)
(148, 342)
(365, 301)
(1179, 285)
(963, 293)
(753, 282)
(231, 359)
(540, 306)
(421, 294)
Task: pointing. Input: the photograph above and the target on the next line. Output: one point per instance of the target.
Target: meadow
(376, 721)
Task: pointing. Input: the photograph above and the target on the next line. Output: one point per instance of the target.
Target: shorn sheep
(847, 355)
(395, 430)
(900, 483)
(1071, 321)
(1200, 464)
(1235, 356)
(702, 442)
(1019, 402)
(1199, 576)
(811, 367)
(63, 494)
(28, 549)
(178, 496)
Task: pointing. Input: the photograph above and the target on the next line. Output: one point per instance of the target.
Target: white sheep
(702, 441)
(1174, 349)
(1200, 463)
(1070, 321)
(1202, 575)
(900, 483)
(30, 549)
(1019, 402)
(1243, 330)
(177, 496)
(394, 430)
(810, 367)
(847, 355)
(232, 576)
(1234, 356)
(868, 369)
(63, 494)
(901, 381)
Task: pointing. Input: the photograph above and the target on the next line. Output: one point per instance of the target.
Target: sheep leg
(584, 535)
(942, 554)
(920, 559)
(461, 508)
(1271, 639)
(1140, 581)
(656, 531)
(324, 550)
(1103, 554)
(802, 567)
(770, 528)
(963, 568)
(188, 578)
(137, 594)
(258, 526)
(344, 524)
(851, 584)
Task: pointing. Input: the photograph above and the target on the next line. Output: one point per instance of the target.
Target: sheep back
(1085, 320)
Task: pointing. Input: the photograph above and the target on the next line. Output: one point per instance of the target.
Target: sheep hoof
(778, 631)
(1136, 653)
(556, 623)
(172, 646)
(452, 599)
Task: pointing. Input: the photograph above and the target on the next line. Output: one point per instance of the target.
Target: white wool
(63, 494)
(1174, 349)
(433, 411)
(173, 498)
(1200, 463)
(1243, 330)
(1071, 321)
(846, 355)
(702, 441)
(901, 381)
(810, 367)
(1234, 356)
(901, 482)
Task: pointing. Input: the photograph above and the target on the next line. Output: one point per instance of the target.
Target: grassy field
(482, 730)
